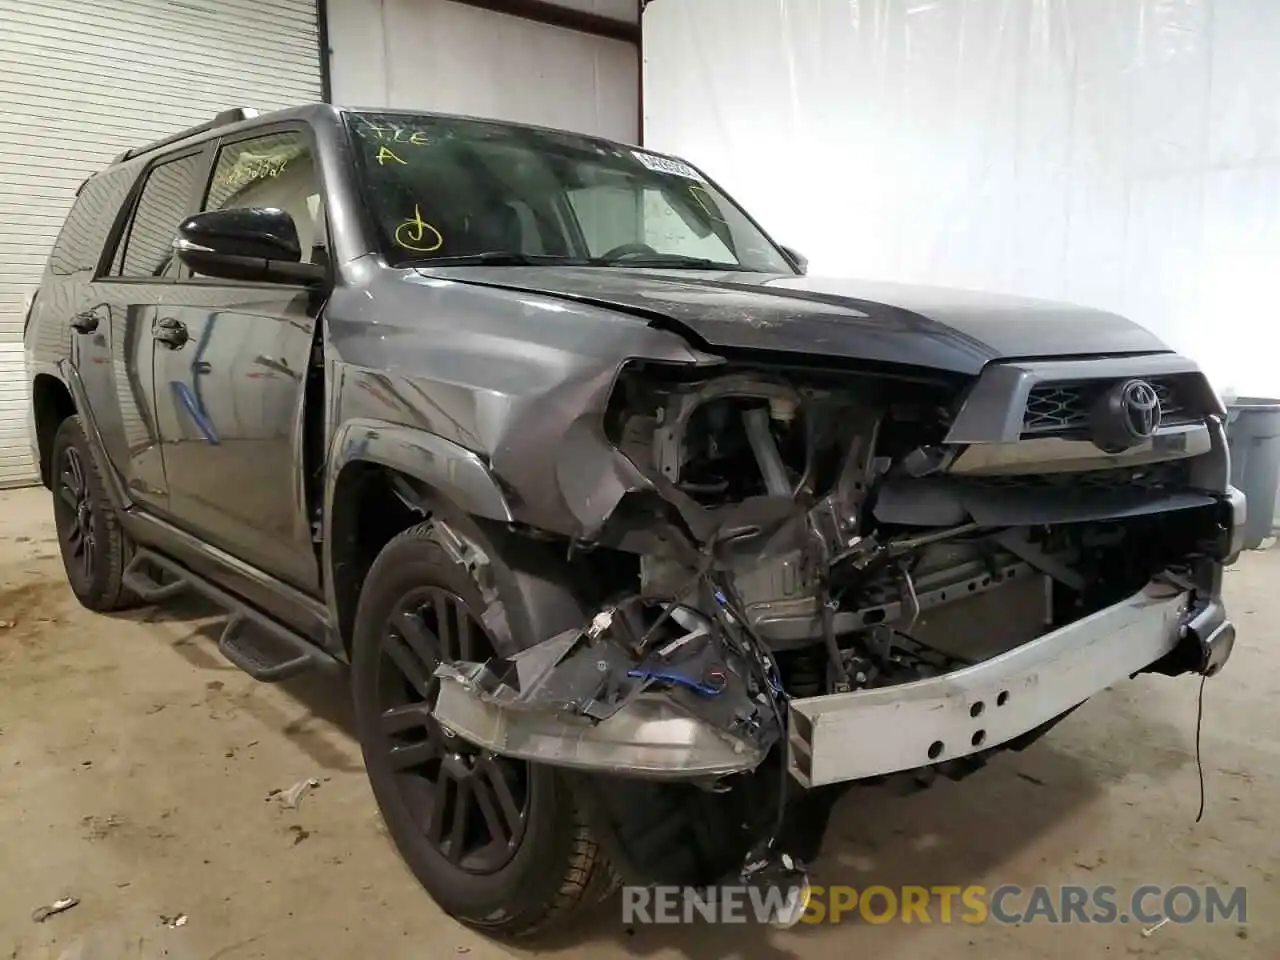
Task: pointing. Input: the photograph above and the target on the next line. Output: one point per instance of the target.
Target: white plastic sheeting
(1123, 154)
(457, 58)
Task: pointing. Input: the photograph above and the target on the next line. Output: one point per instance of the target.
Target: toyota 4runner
(640, 544)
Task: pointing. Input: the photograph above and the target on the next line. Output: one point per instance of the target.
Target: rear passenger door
(141, 277)
(231, 372)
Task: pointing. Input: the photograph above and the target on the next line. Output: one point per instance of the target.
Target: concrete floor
(136, 767)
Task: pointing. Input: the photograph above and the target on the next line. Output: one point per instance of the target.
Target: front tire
(95, 549)
(499, 844)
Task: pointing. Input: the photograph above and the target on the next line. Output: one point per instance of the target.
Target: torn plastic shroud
(580, 699)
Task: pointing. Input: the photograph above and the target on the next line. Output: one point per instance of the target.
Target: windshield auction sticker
(676, 168)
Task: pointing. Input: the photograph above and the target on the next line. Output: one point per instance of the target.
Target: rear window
(79, 244)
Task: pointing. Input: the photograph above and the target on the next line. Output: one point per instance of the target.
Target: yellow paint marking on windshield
(417, 235)
(705, 202)
(381, 134)
(385, 154)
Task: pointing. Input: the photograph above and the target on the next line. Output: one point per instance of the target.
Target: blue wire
(676, 680)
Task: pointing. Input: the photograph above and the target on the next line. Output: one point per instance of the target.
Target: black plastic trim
(115, 489)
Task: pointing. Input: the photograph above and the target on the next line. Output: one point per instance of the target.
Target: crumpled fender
(456, 473)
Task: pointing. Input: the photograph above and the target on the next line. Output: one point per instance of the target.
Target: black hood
(955, 330)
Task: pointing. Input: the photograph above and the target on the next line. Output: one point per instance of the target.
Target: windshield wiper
(514, 258)
(502, 258)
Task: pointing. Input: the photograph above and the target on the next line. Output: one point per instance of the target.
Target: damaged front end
(864, 574)
(658, 699)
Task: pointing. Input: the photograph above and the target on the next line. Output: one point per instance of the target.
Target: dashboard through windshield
(452, 190)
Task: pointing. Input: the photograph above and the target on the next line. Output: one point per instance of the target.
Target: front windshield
(443, 189)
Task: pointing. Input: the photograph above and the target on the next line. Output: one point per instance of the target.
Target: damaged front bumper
(650, 737)
(559, 703)
(844, 736)
(873, 732)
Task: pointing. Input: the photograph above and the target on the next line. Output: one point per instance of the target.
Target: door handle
(85, 322)
(170, 331)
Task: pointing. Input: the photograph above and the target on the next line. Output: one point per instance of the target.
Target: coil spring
(803, 671)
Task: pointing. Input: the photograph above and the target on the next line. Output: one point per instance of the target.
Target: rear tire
(95, 549)
(522, 857)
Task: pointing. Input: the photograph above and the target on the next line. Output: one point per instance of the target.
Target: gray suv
(640, 544)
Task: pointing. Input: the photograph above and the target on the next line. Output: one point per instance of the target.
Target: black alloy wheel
(74, 509)
(95, 548)
(474, 803)
(500, 844)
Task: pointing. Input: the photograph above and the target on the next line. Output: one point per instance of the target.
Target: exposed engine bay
(805, 537)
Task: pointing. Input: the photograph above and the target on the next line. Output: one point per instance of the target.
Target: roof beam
(552, 14)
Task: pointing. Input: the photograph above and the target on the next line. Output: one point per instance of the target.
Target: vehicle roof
(311, 112)
(212, 129)
(406, 112)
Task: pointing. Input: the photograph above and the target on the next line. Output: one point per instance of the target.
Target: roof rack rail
(226, 117)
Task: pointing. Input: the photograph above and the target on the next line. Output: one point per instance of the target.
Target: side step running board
(260, 646)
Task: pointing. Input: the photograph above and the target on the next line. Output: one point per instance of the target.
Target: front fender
(539, 596)
(454, 472)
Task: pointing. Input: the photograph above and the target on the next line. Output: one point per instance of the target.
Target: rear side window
(84, 233)
(166, 197)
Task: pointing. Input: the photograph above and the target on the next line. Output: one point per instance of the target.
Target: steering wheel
(629, 250)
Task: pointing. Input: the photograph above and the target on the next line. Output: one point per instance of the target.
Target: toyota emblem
(1141, 405)
(1126, 415)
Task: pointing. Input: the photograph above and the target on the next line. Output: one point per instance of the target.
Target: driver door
(231, 365)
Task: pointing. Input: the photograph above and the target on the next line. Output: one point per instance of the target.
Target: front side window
(442, 189)
(166, 196)
(279, 171)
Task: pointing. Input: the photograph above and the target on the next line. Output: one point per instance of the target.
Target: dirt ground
(138, 772)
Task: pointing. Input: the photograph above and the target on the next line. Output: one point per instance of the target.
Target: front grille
(1163, 477)
(1060, 409)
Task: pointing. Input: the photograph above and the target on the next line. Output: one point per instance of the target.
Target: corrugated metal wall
(79, 83)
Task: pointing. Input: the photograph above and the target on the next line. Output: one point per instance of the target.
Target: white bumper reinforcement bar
(867, 733)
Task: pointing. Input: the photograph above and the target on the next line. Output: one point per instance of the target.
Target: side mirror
(798, 260)
(258, 243)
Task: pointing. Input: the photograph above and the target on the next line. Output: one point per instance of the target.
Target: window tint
(79, 244)
(274, 171)
(164, 202)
